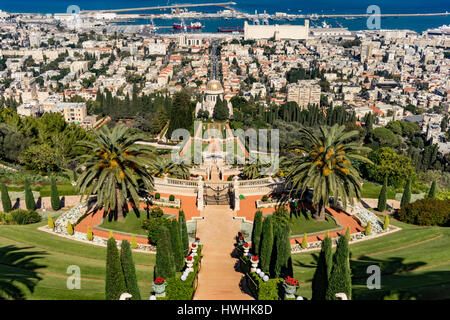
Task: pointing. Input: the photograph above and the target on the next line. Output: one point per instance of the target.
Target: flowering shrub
(246, 245)
(255, 258)
(189, 258)
(159, 280)
(291, 281)
(194, 245)
(241, 238)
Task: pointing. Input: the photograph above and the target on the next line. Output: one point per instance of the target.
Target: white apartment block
(304, 93)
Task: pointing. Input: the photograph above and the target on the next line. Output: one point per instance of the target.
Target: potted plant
(194, 247)
(255, 261)
(171, 198)
(189, 263)
(265, 198)
(241, 240)
(197, 240)
(159, 286)
(246, 248)
(290, 286)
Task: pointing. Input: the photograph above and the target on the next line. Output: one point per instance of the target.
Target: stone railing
(176, 186)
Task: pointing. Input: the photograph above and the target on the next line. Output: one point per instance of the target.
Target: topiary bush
(89, 234)
(50, 223)
(368, 230)
(157, 196)
(25, 216)
(69, 228)
(129, 270)
(265, 198)
(134, 244)
(304, 243)
(172, 198)
(426, 212)
(386, 222)
(29, 198)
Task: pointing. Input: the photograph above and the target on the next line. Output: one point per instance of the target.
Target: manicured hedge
(183, 290)
(426, 212)
(270, 290)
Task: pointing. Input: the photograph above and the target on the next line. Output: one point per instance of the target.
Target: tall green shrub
(256, 233)
(406, 197)
(129, 271)
(177, 246)
(432, 192)
(6, 200)
(183, 232)
(54, 195)
(386, 222)
(164, 266)
(283, 262)
(382, 198)
(115, 280)
(323, 270)
(368, 230)
(340, 278)
(267, 240)
(29, 198)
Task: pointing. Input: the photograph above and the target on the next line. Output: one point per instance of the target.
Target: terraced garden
(415, 262)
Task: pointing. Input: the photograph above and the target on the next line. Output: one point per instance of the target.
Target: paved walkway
(218, 278)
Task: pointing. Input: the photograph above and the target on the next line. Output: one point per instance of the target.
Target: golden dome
(214, 85)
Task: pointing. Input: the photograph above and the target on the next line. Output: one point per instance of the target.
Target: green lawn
(301, 224)
(130, 224)
(415, 260)
(54, 255)
(372, 190)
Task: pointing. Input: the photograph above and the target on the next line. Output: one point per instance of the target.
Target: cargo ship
(230, 29)
(183, 26)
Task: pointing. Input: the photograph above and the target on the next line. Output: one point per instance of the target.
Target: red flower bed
(160, 280)
(291, 281)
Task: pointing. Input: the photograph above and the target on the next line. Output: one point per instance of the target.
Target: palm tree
(324, 163)
(165, 166)
(253, 170)
(116, 169)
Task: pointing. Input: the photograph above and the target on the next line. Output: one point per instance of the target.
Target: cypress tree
(164, 266)
(129, 271)
(406, 197)
(432, 192)
(340, 278)
(183, 232)
(283, 262)
(323, 270)
(382, 198)
(115, 281)
(256, 233)
(29, 198)
(6, 200)
(177, 247)
(54, 195)
(266, 244)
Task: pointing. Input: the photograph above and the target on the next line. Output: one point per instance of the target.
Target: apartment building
(304, 93)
